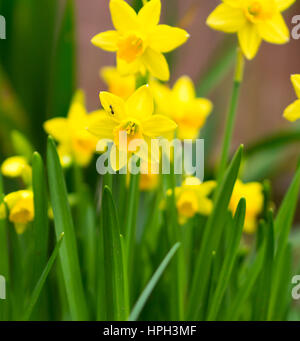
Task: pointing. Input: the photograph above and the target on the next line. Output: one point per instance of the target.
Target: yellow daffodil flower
(134, 118)
(21, 209)
(182, 105)
(292, 112)
(253, 193)
(139, 40)
(75, 143)
(192, 198)
(17, 166)
(253, 21)
(122, 86)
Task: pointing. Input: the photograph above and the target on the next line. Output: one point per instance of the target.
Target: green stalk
(40, 284)
(231, 114)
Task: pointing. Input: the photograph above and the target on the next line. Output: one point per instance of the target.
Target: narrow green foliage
(63, 223)
(138, 307)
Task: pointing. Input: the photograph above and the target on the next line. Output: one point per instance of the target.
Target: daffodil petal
(118, 158)
(249, 40)
(126, 69)
(58, 128)
(113, 105)
(103, 127)
(184, 89)
(234, 3)
(296, 83)
(140, 104)
(226, 18)
(149, 15)
(282, 5)
(165, 38)
(123, 16)
(106, 40)
(274, 31)
(292, 112)
(158, 126)
(156, 63)
(14, 166)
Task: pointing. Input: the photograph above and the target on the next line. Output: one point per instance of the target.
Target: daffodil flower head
(17, 166)
(192, 198)
(75, 143)
(253, 21)
(292, 112)
(253, 193)
(139, 40)
(122, 86)
(181, 104)
(21, 209)
(127, 122)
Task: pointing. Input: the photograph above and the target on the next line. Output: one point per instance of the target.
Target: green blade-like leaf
(138, 307)
(116, 302)
(41, 223)
(63, 223)
(39, 286)
(212, 235)
(231, 253)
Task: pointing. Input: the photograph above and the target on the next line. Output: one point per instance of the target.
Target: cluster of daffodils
(157, 110)
(18, 206)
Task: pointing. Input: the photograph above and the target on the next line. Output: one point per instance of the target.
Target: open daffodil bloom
(292, 112)
(253, 21)
(21, 209)
(75, 143)
(133, 121)
(138, 39)
(182, 105)
(253, 193)
(192, 198)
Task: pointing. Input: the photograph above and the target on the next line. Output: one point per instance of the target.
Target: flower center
(187, 204)
(125, 133)
(255, 9)
(130, 48)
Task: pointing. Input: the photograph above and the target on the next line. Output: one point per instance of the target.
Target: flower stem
(239, 70)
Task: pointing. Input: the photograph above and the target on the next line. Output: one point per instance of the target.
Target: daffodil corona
(253, 21)
(292, 112)
(182, 105)
(139, 40)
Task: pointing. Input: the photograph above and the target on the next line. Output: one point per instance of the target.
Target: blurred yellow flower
(122, 86)
(292, 112)
(253, 21)
(182, 105)
(17, 166)
(139, 40)
(75, 143)
(192, 198)
(135, 119)
(21, 209)
(148, 179)
(253, 193)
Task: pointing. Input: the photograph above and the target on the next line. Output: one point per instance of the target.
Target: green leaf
(39, 286)
(21, 144)
(212, 234)
(116, 302)
(138, 307)
(230, 257)
(63, 223)
(41, 223)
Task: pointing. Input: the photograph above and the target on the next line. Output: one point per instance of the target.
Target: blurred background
(48, 54)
